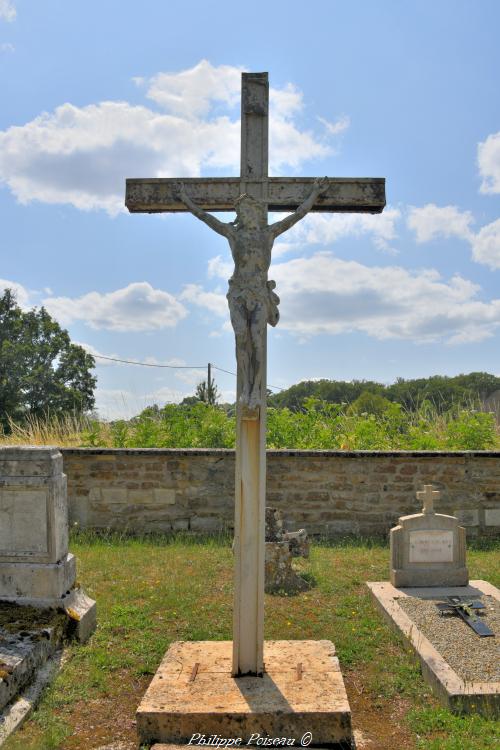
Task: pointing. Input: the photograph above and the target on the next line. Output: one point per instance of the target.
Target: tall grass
(318, 426)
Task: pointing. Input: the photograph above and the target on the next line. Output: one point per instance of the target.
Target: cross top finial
(428, 495)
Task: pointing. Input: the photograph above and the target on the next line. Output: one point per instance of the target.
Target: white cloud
(433, 221)
(326, 295)
(7, 10)
(7, 47)
(82, 155)
(334, 128)
(192, 93)
(136, 307)
(324, 229)
(22, 294)
(219, 267)
(486, 245)
(488, 157)
(214, 301)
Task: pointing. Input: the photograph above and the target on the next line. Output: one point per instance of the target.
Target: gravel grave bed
(474, 659)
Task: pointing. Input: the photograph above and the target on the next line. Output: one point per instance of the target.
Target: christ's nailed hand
(321, 184)
(180, 192)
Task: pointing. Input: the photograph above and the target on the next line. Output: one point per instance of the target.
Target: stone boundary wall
(329, 493)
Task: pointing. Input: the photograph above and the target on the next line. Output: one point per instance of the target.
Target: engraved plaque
(23, 521)
(431, 546)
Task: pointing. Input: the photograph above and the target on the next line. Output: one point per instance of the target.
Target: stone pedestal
(428, 548)
(300, 695)
(36, 567)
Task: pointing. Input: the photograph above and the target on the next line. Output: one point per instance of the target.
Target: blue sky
(94, 92)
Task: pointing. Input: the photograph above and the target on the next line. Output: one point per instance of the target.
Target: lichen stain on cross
(252, 305)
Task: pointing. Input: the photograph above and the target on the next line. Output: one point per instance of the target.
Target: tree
(207, 393)
(41, 371)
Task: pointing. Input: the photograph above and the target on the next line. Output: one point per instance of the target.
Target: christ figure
(252, 300)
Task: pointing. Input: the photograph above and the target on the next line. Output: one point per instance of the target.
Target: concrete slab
(301, 691)
(452, 691)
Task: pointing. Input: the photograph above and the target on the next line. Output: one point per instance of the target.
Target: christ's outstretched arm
(320, 185)
(218, 226)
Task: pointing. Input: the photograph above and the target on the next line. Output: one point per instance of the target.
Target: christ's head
(250, 212)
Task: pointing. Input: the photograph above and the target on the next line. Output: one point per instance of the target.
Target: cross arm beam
(358, 195)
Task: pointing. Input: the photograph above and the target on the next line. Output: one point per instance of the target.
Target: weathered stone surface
(459, 695)
(33, 507)
(35, 566)
(151, 195)
(428, 548)
(279, 704)
(37, 580)
(279, 573)
(360, 492)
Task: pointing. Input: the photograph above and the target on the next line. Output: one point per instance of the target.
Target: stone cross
(252, 304)
(428, 495)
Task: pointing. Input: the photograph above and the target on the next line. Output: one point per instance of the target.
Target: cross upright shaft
(366, 195)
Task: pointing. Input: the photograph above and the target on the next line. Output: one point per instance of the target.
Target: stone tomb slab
(301, 691)
(454, 691)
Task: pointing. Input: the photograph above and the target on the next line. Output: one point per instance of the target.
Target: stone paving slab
(452, 691)
(302, 691)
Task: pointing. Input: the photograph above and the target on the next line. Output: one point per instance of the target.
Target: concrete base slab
(301, 692)
(453, 692)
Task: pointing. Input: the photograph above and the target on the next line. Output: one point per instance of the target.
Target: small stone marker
(36, 567)
(428, 548)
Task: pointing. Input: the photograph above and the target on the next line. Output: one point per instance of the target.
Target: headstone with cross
(428, 495)
(428, 548)
(252, 304)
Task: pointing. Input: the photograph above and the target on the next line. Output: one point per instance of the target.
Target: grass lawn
(151, 592)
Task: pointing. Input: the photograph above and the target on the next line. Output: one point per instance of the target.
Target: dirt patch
(106, 721)
(378, 724)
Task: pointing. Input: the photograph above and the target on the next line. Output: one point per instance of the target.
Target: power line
(175, 367)
(150, 364)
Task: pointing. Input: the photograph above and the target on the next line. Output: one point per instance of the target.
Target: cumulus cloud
(82, 155)
(431, 221)
(488, 157)
(327, 295)
(324, 229)
(7, 10)
(136, 307)
(22, 294)
(486, 245)
(214, 301)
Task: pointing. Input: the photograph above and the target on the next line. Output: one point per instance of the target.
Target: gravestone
(428, 548)
(36, 567)
(281, 547)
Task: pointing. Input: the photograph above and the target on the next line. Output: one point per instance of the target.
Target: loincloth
(253, 294)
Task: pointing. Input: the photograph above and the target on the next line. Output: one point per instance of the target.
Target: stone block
(492, 516)
(467, 516)
(19, 580)
(301, 691)
(33, 508)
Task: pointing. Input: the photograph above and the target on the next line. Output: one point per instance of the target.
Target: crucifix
(252, 305)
